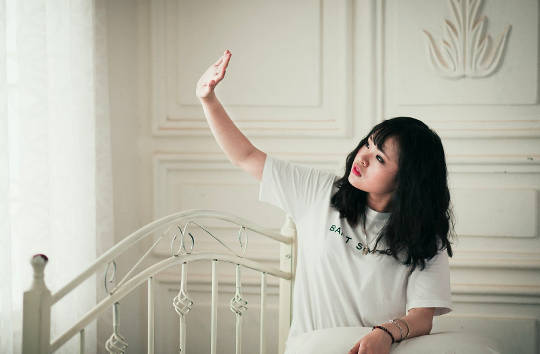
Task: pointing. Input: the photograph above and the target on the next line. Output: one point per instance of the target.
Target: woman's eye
(367, 144)
(380, 159)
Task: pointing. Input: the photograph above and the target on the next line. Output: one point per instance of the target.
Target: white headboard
(178, 230)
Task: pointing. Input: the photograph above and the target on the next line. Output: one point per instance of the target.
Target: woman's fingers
(227, 57)
(354, 350)
(226, 54)
(220, 70)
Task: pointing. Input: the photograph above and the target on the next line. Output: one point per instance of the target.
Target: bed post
(36, 334)
(287, 262)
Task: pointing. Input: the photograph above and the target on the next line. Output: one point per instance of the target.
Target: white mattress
(340, 340)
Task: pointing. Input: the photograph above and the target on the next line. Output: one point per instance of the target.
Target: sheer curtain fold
(6, 327)
(55, 163)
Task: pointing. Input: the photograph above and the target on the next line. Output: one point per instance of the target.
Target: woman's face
(374, 170)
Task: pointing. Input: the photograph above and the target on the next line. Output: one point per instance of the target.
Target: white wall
(306, 81)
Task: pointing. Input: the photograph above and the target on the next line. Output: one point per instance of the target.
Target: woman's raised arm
(236, 146)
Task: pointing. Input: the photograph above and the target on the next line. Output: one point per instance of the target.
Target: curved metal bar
(214, 237)
(156, 225)
(140, 278)
(136, 265)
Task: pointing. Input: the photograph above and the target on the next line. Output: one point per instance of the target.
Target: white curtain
(55, 163)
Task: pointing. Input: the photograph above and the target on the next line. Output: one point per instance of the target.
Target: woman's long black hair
(421, 219)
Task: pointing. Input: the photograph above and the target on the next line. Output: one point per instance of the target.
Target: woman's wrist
(403, 326)
(394, 330)
(208, 99)
(386, 333)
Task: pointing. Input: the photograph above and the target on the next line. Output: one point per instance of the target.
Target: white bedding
(340, 340)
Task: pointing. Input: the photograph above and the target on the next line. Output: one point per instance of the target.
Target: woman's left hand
(375, 342)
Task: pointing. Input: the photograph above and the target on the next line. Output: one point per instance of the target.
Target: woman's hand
(212, 76)
(375, 342)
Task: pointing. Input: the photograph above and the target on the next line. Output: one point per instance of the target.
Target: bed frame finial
(37, 310)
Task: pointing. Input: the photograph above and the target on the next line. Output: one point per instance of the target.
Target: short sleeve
(291, 187)
(430, 287)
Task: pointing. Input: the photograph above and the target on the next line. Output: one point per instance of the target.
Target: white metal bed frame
(39, 299)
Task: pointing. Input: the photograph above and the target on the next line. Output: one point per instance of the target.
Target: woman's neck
(380, 204)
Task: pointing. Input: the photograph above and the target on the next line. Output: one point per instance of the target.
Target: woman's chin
(353, 180)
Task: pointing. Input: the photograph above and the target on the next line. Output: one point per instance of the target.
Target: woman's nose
(364, 161)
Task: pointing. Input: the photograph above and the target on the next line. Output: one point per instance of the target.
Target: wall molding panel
(496, 204)
(496, 259)
(512, 164)
(208, 169)
(263, 95)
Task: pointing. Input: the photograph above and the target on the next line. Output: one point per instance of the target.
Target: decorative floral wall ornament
(465, 49)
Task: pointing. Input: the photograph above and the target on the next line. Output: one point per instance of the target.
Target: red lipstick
(356, 171)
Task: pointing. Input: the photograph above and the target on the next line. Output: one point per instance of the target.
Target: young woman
(373, 245)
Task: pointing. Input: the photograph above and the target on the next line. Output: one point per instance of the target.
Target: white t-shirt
(337, 285)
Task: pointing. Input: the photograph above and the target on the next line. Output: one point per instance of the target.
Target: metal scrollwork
(183, 232)
(243, 246)
(182, 302)
(182, 247)
(182, 305)
(110, 277)
(238, 305)
(116, 344)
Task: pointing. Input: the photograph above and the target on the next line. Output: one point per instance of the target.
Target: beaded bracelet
(387, 331)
